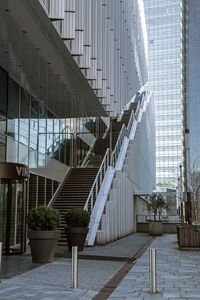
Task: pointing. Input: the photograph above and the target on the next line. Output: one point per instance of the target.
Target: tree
(193, 178)
(157, 203)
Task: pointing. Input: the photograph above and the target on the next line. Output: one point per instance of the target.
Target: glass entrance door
(3, 202)
(13, 202)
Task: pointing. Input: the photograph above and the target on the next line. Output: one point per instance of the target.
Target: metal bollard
(152, 271)
(74, 267)
(0, 258)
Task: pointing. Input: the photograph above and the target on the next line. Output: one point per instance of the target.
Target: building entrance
(13, 207)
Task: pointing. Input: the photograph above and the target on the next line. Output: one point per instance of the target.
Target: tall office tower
(163, 19)
(191, 77)
(192, 63)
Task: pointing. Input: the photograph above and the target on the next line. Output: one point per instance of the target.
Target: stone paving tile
(177, 273)
(128, 248)
(177, 277)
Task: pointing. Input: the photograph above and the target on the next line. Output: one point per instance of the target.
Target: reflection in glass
(42, 129)
(49, 150)
(16, 213)
(3, 100)
(56, 143)
(3, 209)
(13, 109)
(23, 154)
(24, 117)
(12, 150)
(33, 158)
(34, 123)
(2, 148)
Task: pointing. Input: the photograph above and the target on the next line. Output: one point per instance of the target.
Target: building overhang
(32, 51)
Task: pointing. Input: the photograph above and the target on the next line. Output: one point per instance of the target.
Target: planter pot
(188, 236)
(76, 236)
(155, 227)
(43, 245)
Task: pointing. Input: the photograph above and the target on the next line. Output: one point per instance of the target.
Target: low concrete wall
(167, 227)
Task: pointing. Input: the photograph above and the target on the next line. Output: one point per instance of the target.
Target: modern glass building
(192, 62)
(165, 68)
(65, 68)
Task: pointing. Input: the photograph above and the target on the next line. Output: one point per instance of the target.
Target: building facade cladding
(56, 94)
(165, 68)
(108, 41)
(192, 83)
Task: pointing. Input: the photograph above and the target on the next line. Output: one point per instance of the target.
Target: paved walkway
(53, 281)
(178, 277)
(178, 274)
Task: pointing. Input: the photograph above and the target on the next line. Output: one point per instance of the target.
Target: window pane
(3, 100)
(42, 129)
(24, 117)
(49, 151)
(12, 150)
(34, 123)
(13, 109)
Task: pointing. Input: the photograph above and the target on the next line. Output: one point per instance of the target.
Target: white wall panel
(111, 32)
(57, 8)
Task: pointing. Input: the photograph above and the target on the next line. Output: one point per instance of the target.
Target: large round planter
(43, 245)
(155, 227)
(76, 236)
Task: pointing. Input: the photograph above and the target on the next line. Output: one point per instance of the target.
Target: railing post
(92, 202)
(74, 267)
(152, 271)
(0, 259)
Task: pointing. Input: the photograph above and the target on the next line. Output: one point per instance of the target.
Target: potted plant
(42, 233)
(77, 221)
(156, 204)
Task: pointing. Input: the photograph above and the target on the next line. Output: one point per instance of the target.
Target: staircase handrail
(58, 189)
(130, 122)
(137, 109)
(122, 134)
(86, 159)
(98, 180)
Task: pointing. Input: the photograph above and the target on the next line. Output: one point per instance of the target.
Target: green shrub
(77, 217)
(43, 218)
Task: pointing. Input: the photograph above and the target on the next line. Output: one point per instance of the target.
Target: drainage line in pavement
(111, 285)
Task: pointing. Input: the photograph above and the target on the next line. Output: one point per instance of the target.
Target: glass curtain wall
(164, 39)
(193, 81)
(33, 133)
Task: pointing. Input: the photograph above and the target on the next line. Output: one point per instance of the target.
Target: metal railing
(118, 145)
(164, 218)
(58, 189)
(110, 159)
(98, 181)
(130, 122)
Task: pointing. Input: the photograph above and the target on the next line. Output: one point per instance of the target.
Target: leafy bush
(77, 217)
(43, 218)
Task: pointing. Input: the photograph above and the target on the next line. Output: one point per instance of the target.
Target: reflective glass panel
(3, 100)
(13, 109)
(24, 117)
(34, 123)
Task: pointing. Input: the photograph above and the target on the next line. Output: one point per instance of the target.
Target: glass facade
(31, 134)
(193, 81)
(163, 20)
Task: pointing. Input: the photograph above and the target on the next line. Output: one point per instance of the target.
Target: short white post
(152, 271)
(74, 267)
(0, 259)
